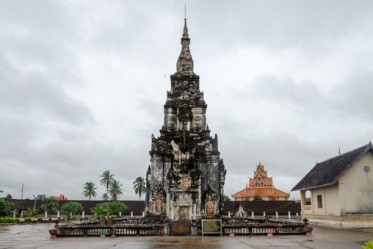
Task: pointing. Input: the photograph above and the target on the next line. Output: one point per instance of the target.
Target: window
(319, 201)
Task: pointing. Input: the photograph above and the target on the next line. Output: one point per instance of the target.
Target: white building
(340, 185)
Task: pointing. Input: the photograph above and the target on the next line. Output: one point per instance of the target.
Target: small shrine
(260, 187)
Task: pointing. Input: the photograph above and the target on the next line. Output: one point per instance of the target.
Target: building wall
(356, 187)
(330, 200)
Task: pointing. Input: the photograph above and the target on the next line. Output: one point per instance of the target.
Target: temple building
(261, 187)
(186, 176)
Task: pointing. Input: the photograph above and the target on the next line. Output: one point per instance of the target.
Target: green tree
(101, 209)
(4, 207)
(105, 197)
(50, 204)
(226, 198)
(116, 207)
(115, 190)
(71, 207)
(108, 208)
(89, 190)
(106, 179)
(257, 197)
(139, 186)
(31, 212)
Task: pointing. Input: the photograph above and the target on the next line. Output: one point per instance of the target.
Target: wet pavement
(37, 236)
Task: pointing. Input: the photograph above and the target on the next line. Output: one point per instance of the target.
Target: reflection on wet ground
(37, 236)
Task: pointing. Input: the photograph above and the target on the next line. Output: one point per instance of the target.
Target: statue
(209, 207)
(159, 202)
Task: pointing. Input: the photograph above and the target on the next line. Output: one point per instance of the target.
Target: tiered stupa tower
(186, 176)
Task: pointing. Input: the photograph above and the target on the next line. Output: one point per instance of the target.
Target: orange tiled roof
(263, 192)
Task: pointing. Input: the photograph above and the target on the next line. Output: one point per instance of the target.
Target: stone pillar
(264, 214)
(143, 214)
(131, 213)
(83, 213)
(120, 214)
(289, 215)
(14, 213)
(252, 214)
(46, 214)
(58, 214)
(276, 215)
(21, 213)
(71, 215)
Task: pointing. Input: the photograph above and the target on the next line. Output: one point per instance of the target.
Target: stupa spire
(184, 63)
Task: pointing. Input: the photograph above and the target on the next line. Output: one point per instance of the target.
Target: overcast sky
(83, 84)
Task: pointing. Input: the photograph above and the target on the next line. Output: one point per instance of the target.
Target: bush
(8, 220)
(4, 207)
(50, 204)
(31, 212)
(368, 245)
(108, 208)
(71, 207)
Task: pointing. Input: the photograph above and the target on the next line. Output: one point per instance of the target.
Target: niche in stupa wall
(198, 122)
(170, 119)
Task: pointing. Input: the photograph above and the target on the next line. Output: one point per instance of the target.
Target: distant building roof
(328, 172)
(252, 191)
(261, 184)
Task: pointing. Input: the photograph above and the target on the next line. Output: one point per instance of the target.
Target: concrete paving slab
(37, 236)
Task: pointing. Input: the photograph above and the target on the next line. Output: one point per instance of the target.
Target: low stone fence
(113, 230)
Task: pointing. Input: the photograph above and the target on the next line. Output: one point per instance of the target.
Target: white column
(21, 213)
(289, 215)
(14, 213)
(46, 214)
(143, 214)
(252, 214)
(264, 214)
(131, 213)
(276, 214)
(120, 214)
(83, 213)
(58, 214)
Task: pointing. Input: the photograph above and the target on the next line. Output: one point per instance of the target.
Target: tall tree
(115, 190)
(139, 186)
(106, 179)
(89, 190)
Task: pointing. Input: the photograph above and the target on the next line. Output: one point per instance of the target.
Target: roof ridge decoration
(184, 63)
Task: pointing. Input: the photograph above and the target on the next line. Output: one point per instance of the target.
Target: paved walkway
(37, 236)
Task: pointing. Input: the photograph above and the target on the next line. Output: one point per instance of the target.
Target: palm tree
(105, 197)
(89, 190)
(139, 186)
(115, 190)
(106, 179)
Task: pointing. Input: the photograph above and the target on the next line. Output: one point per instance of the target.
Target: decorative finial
(184, 63)
(185, 12)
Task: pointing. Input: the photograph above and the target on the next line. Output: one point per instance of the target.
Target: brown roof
(261, 191)
(135, 206)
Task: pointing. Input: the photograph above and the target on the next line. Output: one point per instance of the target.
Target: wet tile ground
(37, 236)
